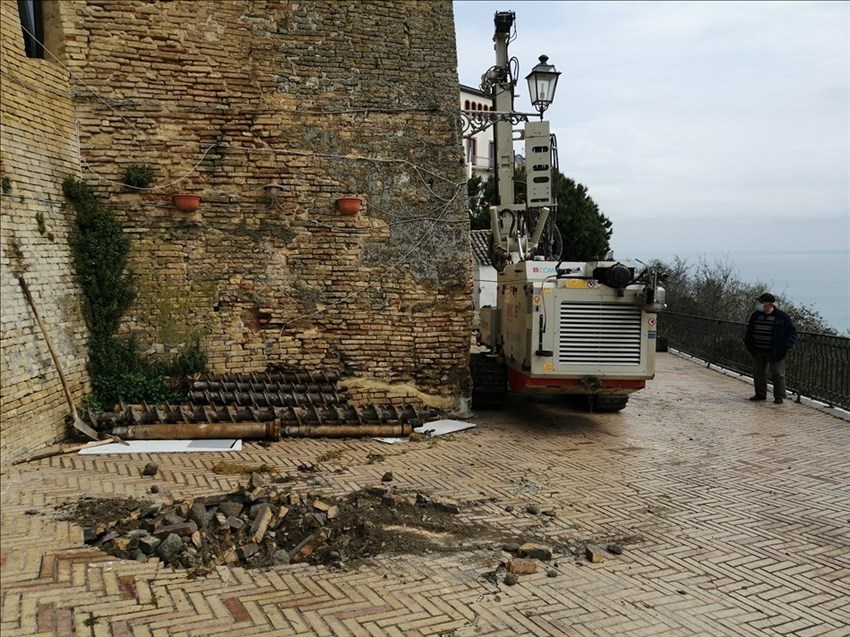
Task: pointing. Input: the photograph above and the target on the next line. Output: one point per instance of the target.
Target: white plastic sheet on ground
(435, 428)
(166, 446)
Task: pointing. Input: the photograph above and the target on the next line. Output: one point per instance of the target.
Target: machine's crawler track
(489, 381)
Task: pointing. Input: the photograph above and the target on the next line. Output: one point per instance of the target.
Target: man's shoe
(757, 397)
(778, 401)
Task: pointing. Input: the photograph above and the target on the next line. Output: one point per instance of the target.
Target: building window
(471, 150)
(32, 25)
(492, 155)
(466, 105)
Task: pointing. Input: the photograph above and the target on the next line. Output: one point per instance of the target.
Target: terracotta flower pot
(186, 203)
(349, 205)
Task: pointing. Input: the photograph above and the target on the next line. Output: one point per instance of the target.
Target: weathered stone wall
(38, 148)
(328, 98)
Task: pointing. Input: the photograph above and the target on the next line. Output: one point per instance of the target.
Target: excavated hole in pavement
(266, 524)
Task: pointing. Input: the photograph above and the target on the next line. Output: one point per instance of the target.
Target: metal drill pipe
(183, 431)
(316, 415)
(264, 399)
(346, 431)
(232, 386)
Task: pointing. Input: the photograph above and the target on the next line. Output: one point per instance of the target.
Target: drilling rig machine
(559, 327)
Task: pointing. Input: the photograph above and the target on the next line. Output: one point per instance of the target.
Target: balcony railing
(818, 366)
(483, 162)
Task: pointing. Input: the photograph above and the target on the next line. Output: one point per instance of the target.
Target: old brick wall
(221, 98)
(328, 98)
(38, 148)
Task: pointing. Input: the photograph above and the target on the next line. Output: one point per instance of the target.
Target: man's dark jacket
(784, 333)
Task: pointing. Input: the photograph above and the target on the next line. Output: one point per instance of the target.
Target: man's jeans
(761, 361)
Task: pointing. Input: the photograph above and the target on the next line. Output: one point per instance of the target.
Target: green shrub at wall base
(192, 360)
(120, 373)
(117, 370)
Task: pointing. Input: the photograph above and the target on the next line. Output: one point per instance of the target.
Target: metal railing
(818, 366)
(480, 161)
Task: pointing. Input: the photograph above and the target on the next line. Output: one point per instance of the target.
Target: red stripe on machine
(519, 381)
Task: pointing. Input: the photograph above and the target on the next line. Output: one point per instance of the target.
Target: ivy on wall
(118, 370)
(100, 250)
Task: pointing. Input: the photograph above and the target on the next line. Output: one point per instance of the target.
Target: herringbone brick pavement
(735, 518)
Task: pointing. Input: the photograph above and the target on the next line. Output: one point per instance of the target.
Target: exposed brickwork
(289, 91)
(328, 98)
(38, 148)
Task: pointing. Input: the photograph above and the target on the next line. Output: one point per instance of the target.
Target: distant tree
(585, 230)
(807, 318)
(714, 290)
(480, 194)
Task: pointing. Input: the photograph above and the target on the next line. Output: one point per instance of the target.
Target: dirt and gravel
(272, 521)
(267, 523)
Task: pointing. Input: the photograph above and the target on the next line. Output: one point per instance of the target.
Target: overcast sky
(697, 127)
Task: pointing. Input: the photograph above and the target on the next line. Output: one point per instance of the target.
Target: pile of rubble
(266, 523)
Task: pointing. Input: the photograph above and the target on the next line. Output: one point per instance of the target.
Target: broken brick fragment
(261, 524)
(520, 566)
(535, 551)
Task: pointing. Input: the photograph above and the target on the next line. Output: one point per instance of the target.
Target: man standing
(770, 334)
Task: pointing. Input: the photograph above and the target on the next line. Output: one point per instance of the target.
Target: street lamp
(542, 82)
(272, 190)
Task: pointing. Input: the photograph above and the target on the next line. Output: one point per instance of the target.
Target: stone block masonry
(329, 99)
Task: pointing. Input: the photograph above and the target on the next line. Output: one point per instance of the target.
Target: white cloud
(728, 114)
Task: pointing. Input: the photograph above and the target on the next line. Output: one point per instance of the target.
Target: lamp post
(542, 82)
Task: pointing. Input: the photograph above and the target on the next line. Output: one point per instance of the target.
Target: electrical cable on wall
(105, 101)
(418, 169)
(375, 281)
(192, 170)
(75, 76)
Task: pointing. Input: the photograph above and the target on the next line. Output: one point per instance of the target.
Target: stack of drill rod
(262, 405)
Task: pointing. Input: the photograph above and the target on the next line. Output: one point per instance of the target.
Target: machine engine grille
(599, 334)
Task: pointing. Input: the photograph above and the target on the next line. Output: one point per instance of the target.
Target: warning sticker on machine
(579, 283)
(650, 335)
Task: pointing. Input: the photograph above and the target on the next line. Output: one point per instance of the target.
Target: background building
(479, 149)
(483, 274)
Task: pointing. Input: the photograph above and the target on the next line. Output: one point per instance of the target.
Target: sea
(817, 279)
